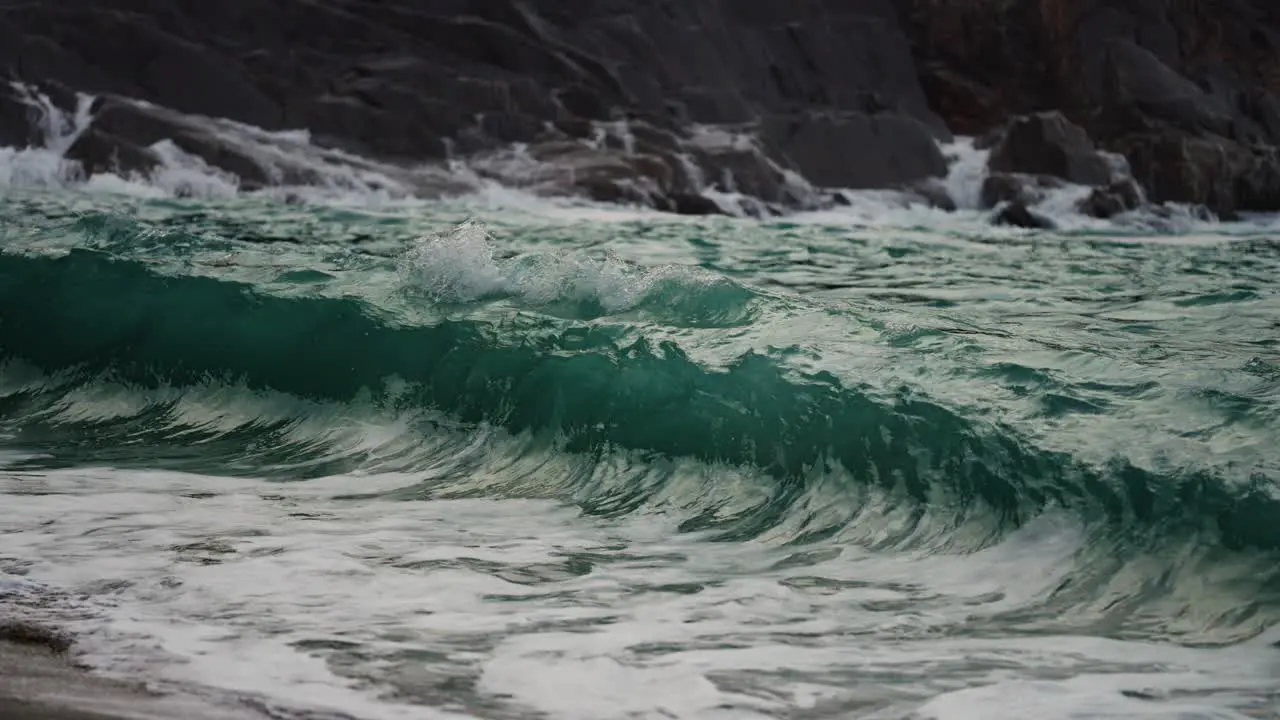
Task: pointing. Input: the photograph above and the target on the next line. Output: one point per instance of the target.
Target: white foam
(44, 166)
(256, 588)
(459, 266)
(301, 170)
(966, 173)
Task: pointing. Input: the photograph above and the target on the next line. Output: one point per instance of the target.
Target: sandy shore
(39, 683)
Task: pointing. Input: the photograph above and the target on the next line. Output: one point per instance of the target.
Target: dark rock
(394, 80)
(1049, 144)
(934, 193)
(692, 204)
(1135, 77)
(1017, 188)
(1258, 188)
(103, 49)
(1017, 214)
(99, 151)
(1188, 92)
(753, 208)
(1118, 197)
(124, 129)
(570, 167)
(970, 106)
(349, 123)
(730, 160)
(18, 126)
(855, 150)
(847, 93)
(1174, 166)
(990, 138)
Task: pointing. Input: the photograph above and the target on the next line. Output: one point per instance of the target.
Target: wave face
(587, 355)
(933, 397)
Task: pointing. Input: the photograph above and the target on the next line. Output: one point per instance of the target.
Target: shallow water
(600, 463)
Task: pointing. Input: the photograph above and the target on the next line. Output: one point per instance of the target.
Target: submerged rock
(1017, 214)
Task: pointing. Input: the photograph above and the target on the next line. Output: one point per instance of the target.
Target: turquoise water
(596, 463)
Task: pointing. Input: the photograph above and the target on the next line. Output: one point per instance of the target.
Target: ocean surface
(352, 456)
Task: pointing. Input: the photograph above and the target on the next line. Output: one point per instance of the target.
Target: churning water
(476, 459)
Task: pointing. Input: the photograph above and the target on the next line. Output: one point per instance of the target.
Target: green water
(1102, 414)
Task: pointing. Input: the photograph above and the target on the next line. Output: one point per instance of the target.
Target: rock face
(843, 93)
(1188, 92)
(829, 88)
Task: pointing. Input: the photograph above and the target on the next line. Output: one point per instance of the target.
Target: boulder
(932, 191)
(1111, 200)
(1017, 214)
(998, 187)
(1047, 143)
(731, 160)
(99, 151)
(1175, 166)
(692, 204)
(571, 167)
(124, 132)
(855, 150)
(1258, 187)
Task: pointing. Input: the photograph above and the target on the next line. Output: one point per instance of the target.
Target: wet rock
(990, 138)
(396, 80)
(99, 151)
(998, 187)
(1111, 200)
(101, 49)
(350, 123)
(1175, 166)
(1188, 92)
(124, 132)
(1258, 187)
(855, 150)
(571, 167)
(17, 124)
(1048, 144)
(847, 94)
(731, 160)
(1017, 214)
(692, 204)
(933, 192)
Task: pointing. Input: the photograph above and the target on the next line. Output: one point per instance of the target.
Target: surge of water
(367, 454)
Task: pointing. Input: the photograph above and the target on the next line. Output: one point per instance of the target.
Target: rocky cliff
(734, 95)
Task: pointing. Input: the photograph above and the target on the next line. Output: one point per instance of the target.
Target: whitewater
(336, 450)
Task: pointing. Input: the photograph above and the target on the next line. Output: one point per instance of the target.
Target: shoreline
(38, 681)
